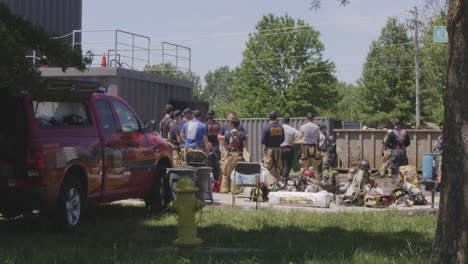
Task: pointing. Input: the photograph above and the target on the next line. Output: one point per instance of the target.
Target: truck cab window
(128, 120)
(105, 112)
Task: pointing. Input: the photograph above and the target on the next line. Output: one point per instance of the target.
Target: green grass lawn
(122, 234)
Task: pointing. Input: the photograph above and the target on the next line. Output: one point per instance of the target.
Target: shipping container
(356, 145)
(147, 93)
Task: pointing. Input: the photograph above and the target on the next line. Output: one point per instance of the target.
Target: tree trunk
(451, 240)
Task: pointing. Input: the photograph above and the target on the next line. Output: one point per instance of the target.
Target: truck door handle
(132, 143)
(110, 144)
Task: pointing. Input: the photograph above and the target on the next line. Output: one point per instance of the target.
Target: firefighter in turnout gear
(165, 123)
(386, 154)
(310, 155)
(235, 141)
(272, 137)
(214, 157)
(174, 138)
(398, 140)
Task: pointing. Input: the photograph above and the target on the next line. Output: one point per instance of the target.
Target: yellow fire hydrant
(185, 206)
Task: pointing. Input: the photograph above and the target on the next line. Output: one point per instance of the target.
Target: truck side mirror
(150, 125)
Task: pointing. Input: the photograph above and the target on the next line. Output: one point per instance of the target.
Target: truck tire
(70, 204)
(160, 194)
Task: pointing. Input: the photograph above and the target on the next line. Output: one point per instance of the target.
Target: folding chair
(247, 169)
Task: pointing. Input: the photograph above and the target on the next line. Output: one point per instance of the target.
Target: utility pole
(416, 67)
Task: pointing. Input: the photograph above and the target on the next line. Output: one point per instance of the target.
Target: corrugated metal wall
(57, 16)
(254, 127)
(355, 145)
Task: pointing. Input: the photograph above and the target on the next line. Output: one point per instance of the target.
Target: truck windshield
(61, 114)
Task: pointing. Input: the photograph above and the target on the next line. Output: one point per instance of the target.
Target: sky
(216, 30)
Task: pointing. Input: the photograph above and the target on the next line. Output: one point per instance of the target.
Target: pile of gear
(363, 190)
(306, 182)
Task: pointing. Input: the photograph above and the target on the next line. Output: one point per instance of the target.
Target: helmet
(307, 173)
(398, 193)
(364, 165)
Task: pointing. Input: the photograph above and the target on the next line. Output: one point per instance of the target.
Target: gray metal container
(355, 145)
(146, 93)
(202, 182)
(176, 173)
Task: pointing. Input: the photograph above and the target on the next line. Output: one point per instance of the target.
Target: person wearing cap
(165, 122)
(235, 143)
(310, 154)
(398, 141)
(194, 134)
(214, 157)
(222, 134)
(174, 138)
(386, 154)
(272, 137)
(186, 116)
(323, 148)
(287, 147)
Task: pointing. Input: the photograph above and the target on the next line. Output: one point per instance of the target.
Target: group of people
(318, 150)
(226, 145)
(185, 131)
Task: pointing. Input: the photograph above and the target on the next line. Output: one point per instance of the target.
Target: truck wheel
(160, 194)
(70, 204)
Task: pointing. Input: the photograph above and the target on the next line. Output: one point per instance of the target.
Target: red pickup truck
(74, 148)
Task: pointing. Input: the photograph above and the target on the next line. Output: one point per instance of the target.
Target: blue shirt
(194, 131)
(273, 135)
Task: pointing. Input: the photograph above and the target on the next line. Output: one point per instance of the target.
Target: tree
(171, 71)
(283, 69)
(218, 85)
(18, 37)
(451, 239)
(434, 64)
(387, 79)
(347, 107)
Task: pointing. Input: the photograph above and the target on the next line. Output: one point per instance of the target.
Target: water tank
(430, 165)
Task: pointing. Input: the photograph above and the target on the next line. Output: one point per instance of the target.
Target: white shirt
(290, 133)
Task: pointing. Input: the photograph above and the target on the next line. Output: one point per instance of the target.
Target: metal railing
(120, 38)
(123, 49)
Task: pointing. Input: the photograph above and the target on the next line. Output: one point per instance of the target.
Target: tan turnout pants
(272, 161)
(310, 157)
(229, 163)
(385, 169)
(176, 157)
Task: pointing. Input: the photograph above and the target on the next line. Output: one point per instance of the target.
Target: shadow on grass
(116, 233)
